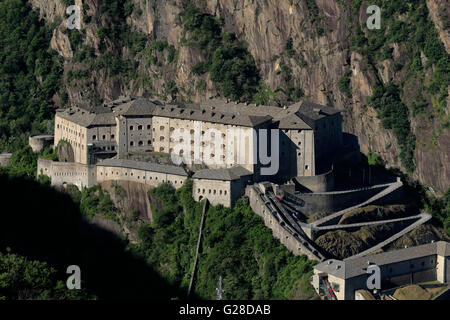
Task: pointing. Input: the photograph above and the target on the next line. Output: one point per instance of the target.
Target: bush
(344, 84)
(230, 65)
(25, 56)
(235, 245)
(394, 115)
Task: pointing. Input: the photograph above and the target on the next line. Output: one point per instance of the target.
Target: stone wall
(279, 230)
(75, 135)
(40, 142)
(328, 136)
(319, 183)
(140, 176)
(219, 192)
(328, 202)
(216, 191)
(297, 149)
(61, 173)
(134, 134)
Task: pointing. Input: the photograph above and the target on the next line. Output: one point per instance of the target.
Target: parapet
(39, 142)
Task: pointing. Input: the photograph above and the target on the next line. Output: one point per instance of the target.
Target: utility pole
(219, 290)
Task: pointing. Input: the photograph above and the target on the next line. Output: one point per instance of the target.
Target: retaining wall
(329, 202)
(279, 230)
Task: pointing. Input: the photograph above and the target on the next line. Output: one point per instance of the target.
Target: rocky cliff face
(321, 55)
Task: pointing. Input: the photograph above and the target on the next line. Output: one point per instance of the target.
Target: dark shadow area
(43, 224)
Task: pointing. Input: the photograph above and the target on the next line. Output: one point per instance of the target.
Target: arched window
(141, 143)
(131, 128)
(139, 127)
(94, 137)
(132, 143)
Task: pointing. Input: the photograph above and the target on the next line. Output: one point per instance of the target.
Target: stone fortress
(134, 140)
(99, 141)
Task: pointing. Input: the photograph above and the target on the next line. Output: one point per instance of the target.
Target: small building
(429, 262)
(221, 186)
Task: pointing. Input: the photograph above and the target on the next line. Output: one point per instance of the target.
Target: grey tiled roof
(136, 107)
(350, 268)
(302, 115)
(88, 118)
(145, 166)
(229, 174)
(174, 111)
(310, 112)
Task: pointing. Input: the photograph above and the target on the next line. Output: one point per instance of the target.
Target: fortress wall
(140, 176)
(40, 142)
(164, 127)
(279, 232)
(136, 134)
(76, 135)
(217, 192)
(335, 201)
(328, 135)
(77, 174)
(44, 167)
(161, 135)
(320, 183)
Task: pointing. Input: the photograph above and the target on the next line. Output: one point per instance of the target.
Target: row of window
(70, 173)
(192, 131)
(140, 127)
(175, 182)
(74, 143)
(111, 148)
(140, 143)
(67, 129)
(94, 137)
(212, 191)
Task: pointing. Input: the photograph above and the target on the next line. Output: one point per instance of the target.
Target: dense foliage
(395, 115)
(230, 65)
(440, 209)
(24, 162)
(96, 201)
(29, 74)
(23, 279)
(235, 245)
(425, 72)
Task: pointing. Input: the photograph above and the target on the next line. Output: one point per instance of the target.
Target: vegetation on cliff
(29, 74)
(230, 65)
(422, 72)
(25, 279)
(235, 245)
